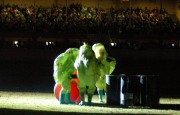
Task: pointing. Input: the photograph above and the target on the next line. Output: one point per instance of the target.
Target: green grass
(46, 103)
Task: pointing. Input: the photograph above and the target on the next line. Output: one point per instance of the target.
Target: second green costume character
(63, 69)
(107, 67)
(87, 72)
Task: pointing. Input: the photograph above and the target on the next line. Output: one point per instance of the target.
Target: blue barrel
(113, 89)
(132, 90)
(149, 90)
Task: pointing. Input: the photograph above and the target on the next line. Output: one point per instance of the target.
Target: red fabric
(74, 93)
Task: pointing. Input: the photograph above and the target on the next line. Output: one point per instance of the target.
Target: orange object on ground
(74, 93)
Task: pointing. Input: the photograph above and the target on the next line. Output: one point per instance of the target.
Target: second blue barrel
(132, 90)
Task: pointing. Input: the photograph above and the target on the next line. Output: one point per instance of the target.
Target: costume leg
(61, 98)
(66, 90)
(82, 98)
(99, 85)
(91, 90)
(100, 94)
(90, 99)
(82, 89)
(104, 87)
(68, 100)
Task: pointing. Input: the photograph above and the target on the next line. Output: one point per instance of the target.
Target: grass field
(46, 103)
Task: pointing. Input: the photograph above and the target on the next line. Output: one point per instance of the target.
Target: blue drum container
(132, 90)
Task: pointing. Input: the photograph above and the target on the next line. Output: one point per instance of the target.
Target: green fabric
(87, 68)
(64, 65)
(107, 65)
(100, 51)
(63, 68)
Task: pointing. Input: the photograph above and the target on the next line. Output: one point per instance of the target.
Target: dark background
(31, 69)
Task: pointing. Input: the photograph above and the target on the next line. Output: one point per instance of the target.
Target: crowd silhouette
(77, 19)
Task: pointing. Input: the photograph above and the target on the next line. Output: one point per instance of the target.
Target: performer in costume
(107, 67)
(87, 72)
(63, 69)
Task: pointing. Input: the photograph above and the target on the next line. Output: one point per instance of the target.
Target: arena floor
(46, 103)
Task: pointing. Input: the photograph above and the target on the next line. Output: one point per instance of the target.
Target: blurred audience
(80, 19)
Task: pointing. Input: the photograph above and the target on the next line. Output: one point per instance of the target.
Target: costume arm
(112, 64)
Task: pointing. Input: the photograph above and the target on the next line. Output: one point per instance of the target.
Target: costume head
(100, 51)
(86, 51)
(64, 64)
(71, 53)
(85, 55)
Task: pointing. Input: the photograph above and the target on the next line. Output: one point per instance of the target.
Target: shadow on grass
(166, 107)
(8, 111)
(36, 112)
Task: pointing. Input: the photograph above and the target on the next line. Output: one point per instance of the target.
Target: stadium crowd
(81, 19)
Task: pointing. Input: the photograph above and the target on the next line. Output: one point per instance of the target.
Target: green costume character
(63, 69)
(87, 72)
(107, 67)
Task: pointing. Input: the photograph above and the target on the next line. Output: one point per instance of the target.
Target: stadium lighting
(16, 43)
(113, 44)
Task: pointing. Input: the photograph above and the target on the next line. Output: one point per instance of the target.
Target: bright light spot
(16, 43)
(53, 43)
(172, 44)
(113, 44)
(47, 43)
